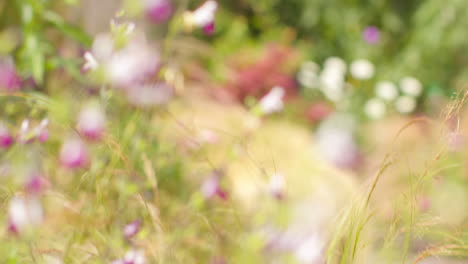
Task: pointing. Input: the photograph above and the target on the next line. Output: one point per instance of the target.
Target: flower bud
(276, 185)
(91, 122)
(159, 11)
(211, 187)
(35, 184)
(42, 132)
(203, 17)
(132, 229)
(6, 139)
(371, 35)
(74, 154)
(273, 101)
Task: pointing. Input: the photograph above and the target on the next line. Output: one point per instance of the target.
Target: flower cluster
(340, 89)
(127, 62)
(90, 125)
(387, 94)
(25, 134)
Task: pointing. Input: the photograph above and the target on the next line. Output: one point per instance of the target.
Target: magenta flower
(6, 139)
(35, 184)
(209, 28)
(371, 35)
(132, 229)
(74, 154)
(9, 79)
(159, 11)
(91, 122)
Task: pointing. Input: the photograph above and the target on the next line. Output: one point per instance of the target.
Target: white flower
(362, 69)
(310, 66)
(276, 185)
(309, 250)
(91, 63)
(135, 257)
(103, 46)
(131, 64)
(205, 14)
(24, 213)
(273, 101)
(332, 78)
(386, 90)
(308, 75)
(411, 86)
(332, 84)
(405, 104)
(375, 108)
(335, 63)
(91, 121)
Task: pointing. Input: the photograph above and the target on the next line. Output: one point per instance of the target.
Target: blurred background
(248, 131)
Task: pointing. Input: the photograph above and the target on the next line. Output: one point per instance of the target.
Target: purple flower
(132, 229)
(9, 79)
(74, 154)
(159, 11)
(91, 122)
(6, 139)
(371, 35)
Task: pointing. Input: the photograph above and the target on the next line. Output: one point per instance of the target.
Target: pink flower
(272, 102)
(74, 154)
(203, 17)
(36, 184)
(91, 122)
(133, 64)
(211, 187)
(371, 35)
(276, 186)
(159, 11)
(24, 213)
(132, 229)
(9, 79)
(6, 139)
(41, 131)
